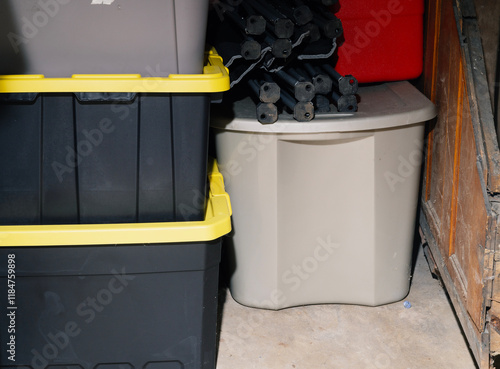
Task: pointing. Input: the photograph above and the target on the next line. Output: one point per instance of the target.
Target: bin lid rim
(217, 223)
(215, 78)
(387, 105)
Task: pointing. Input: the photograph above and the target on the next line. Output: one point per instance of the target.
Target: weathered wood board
(461, 174)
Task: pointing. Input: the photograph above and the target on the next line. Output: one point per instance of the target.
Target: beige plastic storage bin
(59, 38)
(324, 212)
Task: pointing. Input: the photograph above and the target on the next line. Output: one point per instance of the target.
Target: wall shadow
(11, 62)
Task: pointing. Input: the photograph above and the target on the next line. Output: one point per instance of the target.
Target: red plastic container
(383, 39)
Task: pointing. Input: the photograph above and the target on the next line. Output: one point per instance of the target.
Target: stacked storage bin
(109, 234)
(325, 210)
(383, 41)
(114, 295)
(105, 155)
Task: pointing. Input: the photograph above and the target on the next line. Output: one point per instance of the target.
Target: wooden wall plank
(482, 105)
(472, 222)
(473, 337)
(456, 159)
(445, 147)
(431, 47)
(462, 174)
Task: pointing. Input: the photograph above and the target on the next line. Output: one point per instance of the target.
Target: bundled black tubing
(303, 111)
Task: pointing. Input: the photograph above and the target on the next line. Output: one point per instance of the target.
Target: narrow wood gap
(456, 161)
(435, 60)
(430, 136)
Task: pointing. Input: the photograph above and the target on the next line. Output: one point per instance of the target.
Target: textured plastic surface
(217, 223)
(383, 39)
(105, 153)
(134, 306)
(59, 38)
(130, 306)
(324, 211)
(215, 78)
(66, 161)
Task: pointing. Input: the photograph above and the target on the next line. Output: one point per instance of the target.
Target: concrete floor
(425, 336)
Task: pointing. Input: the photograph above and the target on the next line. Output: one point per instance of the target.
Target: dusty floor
(426, 335)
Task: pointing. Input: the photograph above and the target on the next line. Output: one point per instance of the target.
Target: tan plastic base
(324, 217)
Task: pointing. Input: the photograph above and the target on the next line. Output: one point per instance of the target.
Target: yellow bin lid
(217, 223)
(215, 78)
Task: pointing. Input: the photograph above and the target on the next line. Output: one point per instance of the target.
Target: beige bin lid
(380, 106)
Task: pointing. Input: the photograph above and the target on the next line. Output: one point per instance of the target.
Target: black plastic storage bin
(105, 156)
(123, 296)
